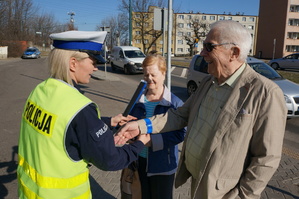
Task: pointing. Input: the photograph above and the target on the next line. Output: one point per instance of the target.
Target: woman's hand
(121, 120)
(146, 139)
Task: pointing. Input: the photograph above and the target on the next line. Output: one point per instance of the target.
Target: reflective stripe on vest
(30, 194)
(49, 182)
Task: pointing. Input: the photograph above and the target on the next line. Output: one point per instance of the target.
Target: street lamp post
(117, 38)
(108, 31)
(130, 23)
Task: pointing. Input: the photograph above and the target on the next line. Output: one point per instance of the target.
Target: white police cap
(90, 42)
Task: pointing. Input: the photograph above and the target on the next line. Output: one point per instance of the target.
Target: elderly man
(236, 122)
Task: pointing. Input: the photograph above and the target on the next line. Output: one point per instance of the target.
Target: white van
(127, 58)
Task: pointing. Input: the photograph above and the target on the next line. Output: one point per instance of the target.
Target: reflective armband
(148, 125)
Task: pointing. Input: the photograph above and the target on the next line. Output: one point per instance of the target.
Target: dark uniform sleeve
(89, 138)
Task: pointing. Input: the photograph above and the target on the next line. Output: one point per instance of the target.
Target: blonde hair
(152, 59)
(59, 63)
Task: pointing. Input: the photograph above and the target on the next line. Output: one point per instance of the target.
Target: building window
(250, 27)
(187, 49)
(252, 19)
(188, 34)
(204, 17)
(189, 25)
(161, 42)
(180, 41)
(293, 35)
(181, 16)
(180, 50)
(188, 16)
(137, 41)
(145, 15)
(243, 18)
(294, 8)
(138, 24)
(293, 22)
(222, 18)
(146, 41)
(138, 33)
(181, 25)
(161, 50)
(212, 18)
(137, 15)
(180, 34)
(146, 24)
(229, 18)
(292, 48)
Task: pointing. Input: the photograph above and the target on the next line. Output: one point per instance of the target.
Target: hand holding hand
(121, 120)
(127, 132)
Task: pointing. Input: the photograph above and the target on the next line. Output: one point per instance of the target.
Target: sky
(90, 13)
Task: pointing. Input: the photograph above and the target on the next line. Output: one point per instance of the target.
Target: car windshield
(134, 54)
(265, 70)
(30, 50)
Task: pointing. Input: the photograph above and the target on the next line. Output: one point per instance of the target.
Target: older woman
(157, 163)
(61, 129)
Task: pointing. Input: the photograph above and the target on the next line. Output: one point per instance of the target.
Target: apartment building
(278, 29)
(182, 27)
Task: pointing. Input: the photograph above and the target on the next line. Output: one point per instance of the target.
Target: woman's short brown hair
(152, 59)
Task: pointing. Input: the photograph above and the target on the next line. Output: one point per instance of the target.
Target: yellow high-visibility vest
(45, 170)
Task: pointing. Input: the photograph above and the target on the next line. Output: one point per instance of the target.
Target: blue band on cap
(77, 45)
(149, 125)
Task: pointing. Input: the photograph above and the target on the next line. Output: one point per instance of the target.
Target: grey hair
(234, 32)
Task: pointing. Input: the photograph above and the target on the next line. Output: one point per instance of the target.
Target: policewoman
(61, 129)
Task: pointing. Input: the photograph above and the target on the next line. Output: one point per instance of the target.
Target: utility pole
(72, 20)
(130, 22)
(274, 46)
(108, 31)
(169, 44)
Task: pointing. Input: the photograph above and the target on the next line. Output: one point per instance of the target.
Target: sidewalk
(283, 185)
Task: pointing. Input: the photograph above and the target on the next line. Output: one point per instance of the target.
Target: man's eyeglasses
(210, 46)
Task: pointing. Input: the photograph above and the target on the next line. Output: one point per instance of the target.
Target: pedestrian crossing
(179, 71)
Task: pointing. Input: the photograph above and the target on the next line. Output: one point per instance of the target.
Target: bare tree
(198, 34)
(19, 21)
(42, 26)
(142, 20)
(117, 30)
(15, 18)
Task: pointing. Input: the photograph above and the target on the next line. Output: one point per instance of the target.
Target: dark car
(31, 53)
(198, 70)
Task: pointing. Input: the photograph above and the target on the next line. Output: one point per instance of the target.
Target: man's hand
(126, 132)
(121, 120)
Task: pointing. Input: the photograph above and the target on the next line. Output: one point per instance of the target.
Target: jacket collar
(166, 100)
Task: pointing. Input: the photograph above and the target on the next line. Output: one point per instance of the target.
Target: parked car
(31, 53)
(198, 70)
(288, 62)
(127, 58)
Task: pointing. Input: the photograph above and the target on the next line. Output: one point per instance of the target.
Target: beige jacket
(245, 148)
